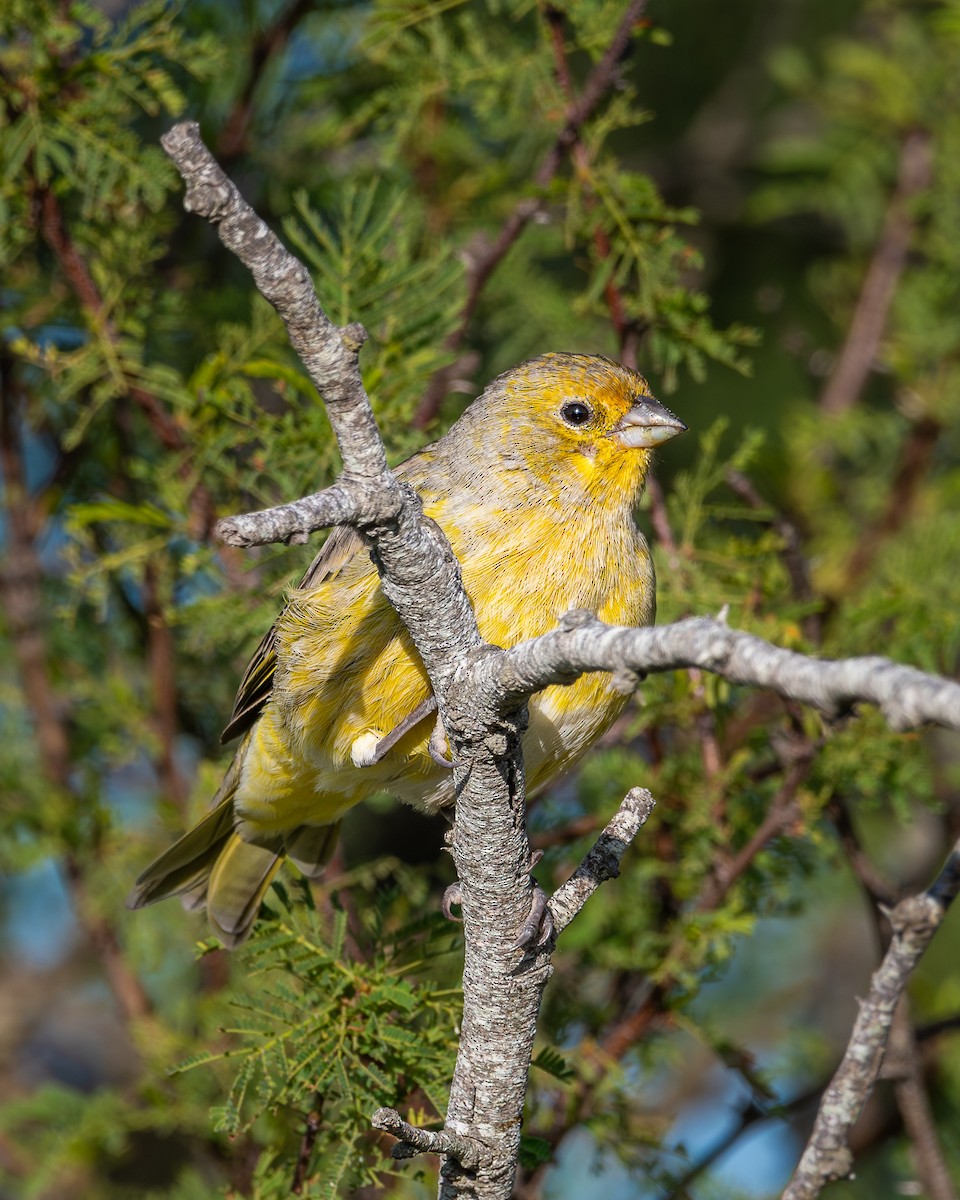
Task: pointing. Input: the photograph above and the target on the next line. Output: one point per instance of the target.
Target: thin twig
(412, 1140)
(266, 46)
(792, 551)
(602, 862)
(914, 922)
(902, 1062)
(878, 890)
(916, 456)
(161, 660)
(311, 1129)
(561, 835)
(625, 329)
(750, 1115)
(20, 588)
(782, 813)
(78, 276)
(902, 1065)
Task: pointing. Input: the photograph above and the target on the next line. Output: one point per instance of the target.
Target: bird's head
(573, 421)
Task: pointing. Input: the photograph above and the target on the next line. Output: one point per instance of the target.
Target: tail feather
(212, 866)
(186, 865)
(310, 847)
(238, 882)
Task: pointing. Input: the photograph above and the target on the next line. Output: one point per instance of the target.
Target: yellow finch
(535, 486)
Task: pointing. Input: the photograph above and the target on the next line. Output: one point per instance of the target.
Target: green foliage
(321, 1028)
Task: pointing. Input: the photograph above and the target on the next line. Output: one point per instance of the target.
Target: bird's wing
(257, 682)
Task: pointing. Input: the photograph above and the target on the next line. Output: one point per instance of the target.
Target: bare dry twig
(603, 860)
(902, 1066)
(902, 1063)
(21, 581)
(914, 922)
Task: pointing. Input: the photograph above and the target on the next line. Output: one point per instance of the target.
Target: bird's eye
(576, 412)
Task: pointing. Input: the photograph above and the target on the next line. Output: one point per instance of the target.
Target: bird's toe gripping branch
(538, 926)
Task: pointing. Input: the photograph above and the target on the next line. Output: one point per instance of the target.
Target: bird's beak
(647, 424)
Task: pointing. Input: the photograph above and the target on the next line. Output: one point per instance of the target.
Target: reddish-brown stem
(21, 590)
(902, 1065)
(160, 656)
(20, 584)
(485, 258)
(311, 1129)
(578, 152)
(128, 992)
(78, 276)
(865, 333)
(792, 551)
(876, 888)
(264, 48)
(916, 455)
(561, 836)
(782, 813)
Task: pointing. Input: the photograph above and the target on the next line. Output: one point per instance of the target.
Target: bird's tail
(212, 866)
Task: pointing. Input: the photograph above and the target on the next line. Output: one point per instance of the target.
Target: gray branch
(419, 573)
(914, 922)
(906, 697)
(329, 353)
(412, 1140)
(602, 862)
(421, 578)
(293, 523)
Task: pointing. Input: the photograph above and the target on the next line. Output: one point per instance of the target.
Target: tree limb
(914, 921)
(421, 578)
(603, 861)
(907, 697)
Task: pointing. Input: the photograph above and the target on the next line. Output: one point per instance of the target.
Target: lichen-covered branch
(906, 697)
(420, 575)
(293, 523)
(421, 578)
(602, 862)
(914, 922)
(412, 1140)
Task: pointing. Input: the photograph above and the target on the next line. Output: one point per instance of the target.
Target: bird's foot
(537, 928)
(451, 897)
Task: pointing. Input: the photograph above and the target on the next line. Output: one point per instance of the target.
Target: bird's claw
(537, 930)
(452, 896)
(437, 746)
